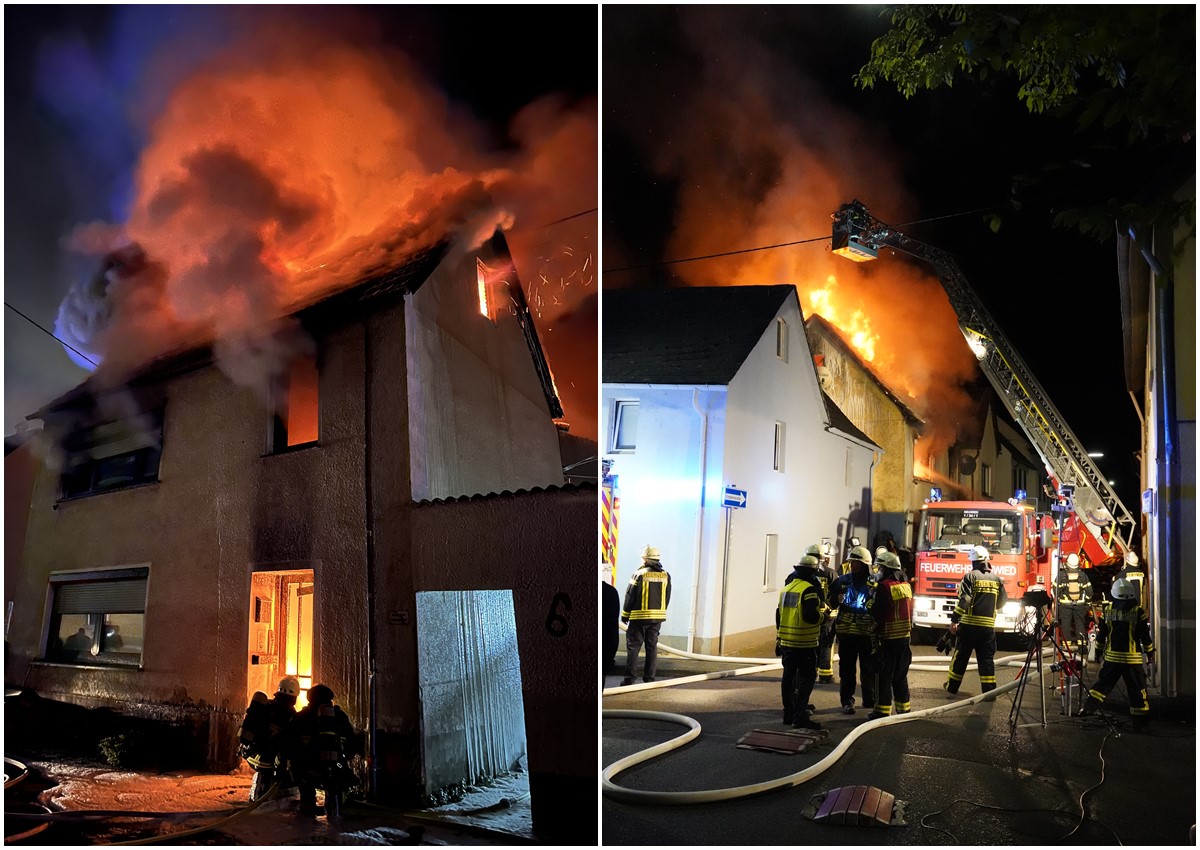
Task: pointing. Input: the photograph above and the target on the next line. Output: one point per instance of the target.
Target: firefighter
(891, 608)
(798, 619)
(981, 595)
(263, 736)
(1125, 631)
(855, 629)
(1073, 596)
(646, 601)
(1135, 574)
(320, 743)
(826, 576)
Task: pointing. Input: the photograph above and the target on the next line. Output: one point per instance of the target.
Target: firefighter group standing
(300, 751)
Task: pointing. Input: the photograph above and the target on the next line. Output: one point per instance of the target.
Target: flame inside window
(482, 273)
(299, 410)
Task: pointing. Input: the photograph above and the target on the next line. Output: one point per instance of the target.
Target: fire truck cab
(947, 532)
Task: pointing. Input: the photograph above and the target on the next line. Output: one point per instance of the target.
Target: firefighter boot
(1090, 706)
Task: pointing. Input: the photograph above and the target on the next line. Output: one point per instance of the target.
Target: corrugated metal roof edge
(478, 497)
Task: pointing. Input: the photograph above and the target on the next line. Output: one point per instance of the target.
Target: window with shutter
(98, 617)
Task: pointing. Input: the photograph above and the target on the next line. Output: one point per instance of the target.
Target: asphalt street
(982, 774)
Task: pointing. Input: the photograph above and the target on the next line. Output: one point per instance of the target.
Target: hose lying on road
(629, 795)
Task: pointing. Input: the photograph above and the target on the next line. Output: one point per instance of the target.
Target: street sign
(734, 498)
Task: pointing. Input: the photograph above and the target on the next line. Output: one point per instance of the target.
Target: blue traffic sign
(734, 498)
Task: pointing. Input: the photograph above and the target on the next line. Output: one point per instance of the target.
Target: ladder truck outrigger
(1087, 515)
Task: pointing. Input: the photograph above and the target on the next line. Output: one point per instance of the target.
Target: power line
(569, 217)
(49, 334)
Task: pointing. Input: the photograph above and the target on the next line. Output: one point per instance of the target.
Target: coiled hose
(628, 795)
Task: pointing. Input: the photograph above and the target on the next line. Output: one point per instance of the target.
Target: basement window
(296, 421)
(98, 617)
(113, 455)
(781, 339)
(625, 421)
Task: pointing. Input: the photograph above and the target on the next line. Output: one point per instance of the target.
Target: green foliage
(1129, 66)
(127, 750)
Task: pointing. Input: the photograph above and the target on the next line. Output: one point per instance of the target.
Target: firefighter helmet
(289, 686)
(1073, 560)
(649, 553)
(810, 562)
(980, 553)
(320, 695)
(814, 550)
(1131, 559)
(888, 561)
(1123, 589)
(860, 554)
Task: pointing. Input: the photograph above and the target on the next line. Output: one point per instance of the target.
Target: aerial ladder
(1096, 520)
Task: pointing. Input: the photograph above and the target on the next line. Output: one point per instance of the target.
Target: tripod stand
(1065, 661)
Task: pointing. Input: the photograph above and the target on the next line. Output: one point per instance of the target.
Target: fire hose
(629, 795)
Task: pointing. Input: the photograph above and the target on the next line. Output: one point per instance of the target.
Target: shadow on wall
(854, 524)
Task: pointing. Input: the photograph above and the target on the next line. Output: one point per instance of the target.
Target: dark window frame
(99, 652)
(82, 474)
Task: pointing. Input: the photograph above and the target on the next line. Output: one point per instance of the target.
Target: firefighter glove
(778, 648)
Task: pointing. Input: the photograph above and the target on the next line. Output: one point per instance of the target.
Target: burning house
(393, 524)
(721, 450)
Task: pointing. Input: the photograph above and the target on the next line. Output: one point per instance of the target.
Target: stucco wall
(479, 420)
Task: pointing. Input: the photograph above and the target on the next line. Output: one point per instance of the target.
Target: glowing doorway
(281, 631)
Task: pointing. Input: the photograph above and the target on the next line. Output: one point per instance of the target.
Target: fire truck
(1014, 534)
(1086, 517)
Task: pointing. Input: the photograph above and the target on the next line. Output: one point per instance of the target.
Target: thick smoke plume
(762, 158)
(292, 163)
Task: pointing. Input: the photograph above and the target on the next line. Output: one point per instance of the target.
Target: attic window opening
(483, 277)
(781, 339)
(297, 412)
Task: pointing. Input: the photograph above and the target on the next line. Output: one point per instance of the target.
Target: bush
(128, 750)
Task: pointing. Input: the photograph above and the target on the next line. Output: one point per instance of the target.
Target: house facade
(709, 388)
(399, 504)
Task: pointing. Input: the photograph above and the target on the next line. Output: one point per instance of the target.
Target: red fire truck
(1015, 536)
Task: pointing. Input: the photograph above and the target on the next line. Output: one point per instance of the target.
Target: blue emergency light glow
(935, 494)
(1019, 495)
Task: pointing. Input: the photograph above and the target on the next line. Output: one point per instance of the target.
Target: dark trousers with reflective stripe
(855, 649)
(638, 632)
(799, 676)
(1135, 684)
(893, 660)
(825, 651)
(982, 641)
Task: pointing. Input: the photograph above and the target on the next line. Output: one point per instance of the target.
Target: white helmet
(809, 561)
(980, 553)
(860, 553)
(1072, 560)
(289, 685)
(879, 550)
(815, 551)
(1123, 589)
(649, 553)
(1131, 559)
(886, 560)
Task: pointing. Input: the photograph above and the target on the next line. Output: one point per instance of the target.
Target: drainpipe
(1169, 602)
(372, 707)
(699, 519)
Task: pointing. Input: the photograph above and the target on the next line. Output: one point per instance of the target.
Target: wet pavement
(980, 774)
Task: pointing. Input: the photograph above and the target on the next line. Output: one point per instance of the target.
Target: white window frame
(986, 478)
(619, 408)
(780, 446)
(781, 338)
(770, 562)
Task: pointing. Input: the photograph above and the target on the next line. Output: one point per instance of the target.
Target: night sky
(692, 93)
(85, 85)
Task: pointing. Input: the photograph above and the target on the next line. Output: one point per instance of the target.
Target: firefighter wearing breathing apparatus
(1072, 596)
(981, 595)
(320, 744)
(644, 611)
(798, 621)
(826, 576)
(261, 738)
(891, 608)
(1125, 629)
(855, 629)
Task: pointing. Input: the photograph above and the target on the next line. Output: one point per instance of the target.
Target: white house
(717, 385)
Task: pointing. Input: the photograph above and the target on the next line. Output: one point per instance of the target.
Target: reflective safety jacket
(277, 716)
(800, 613)
(1125, 629)
(892, 608)
(1072, 586)
(853, 598)
(648, 594)
(981, 595)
